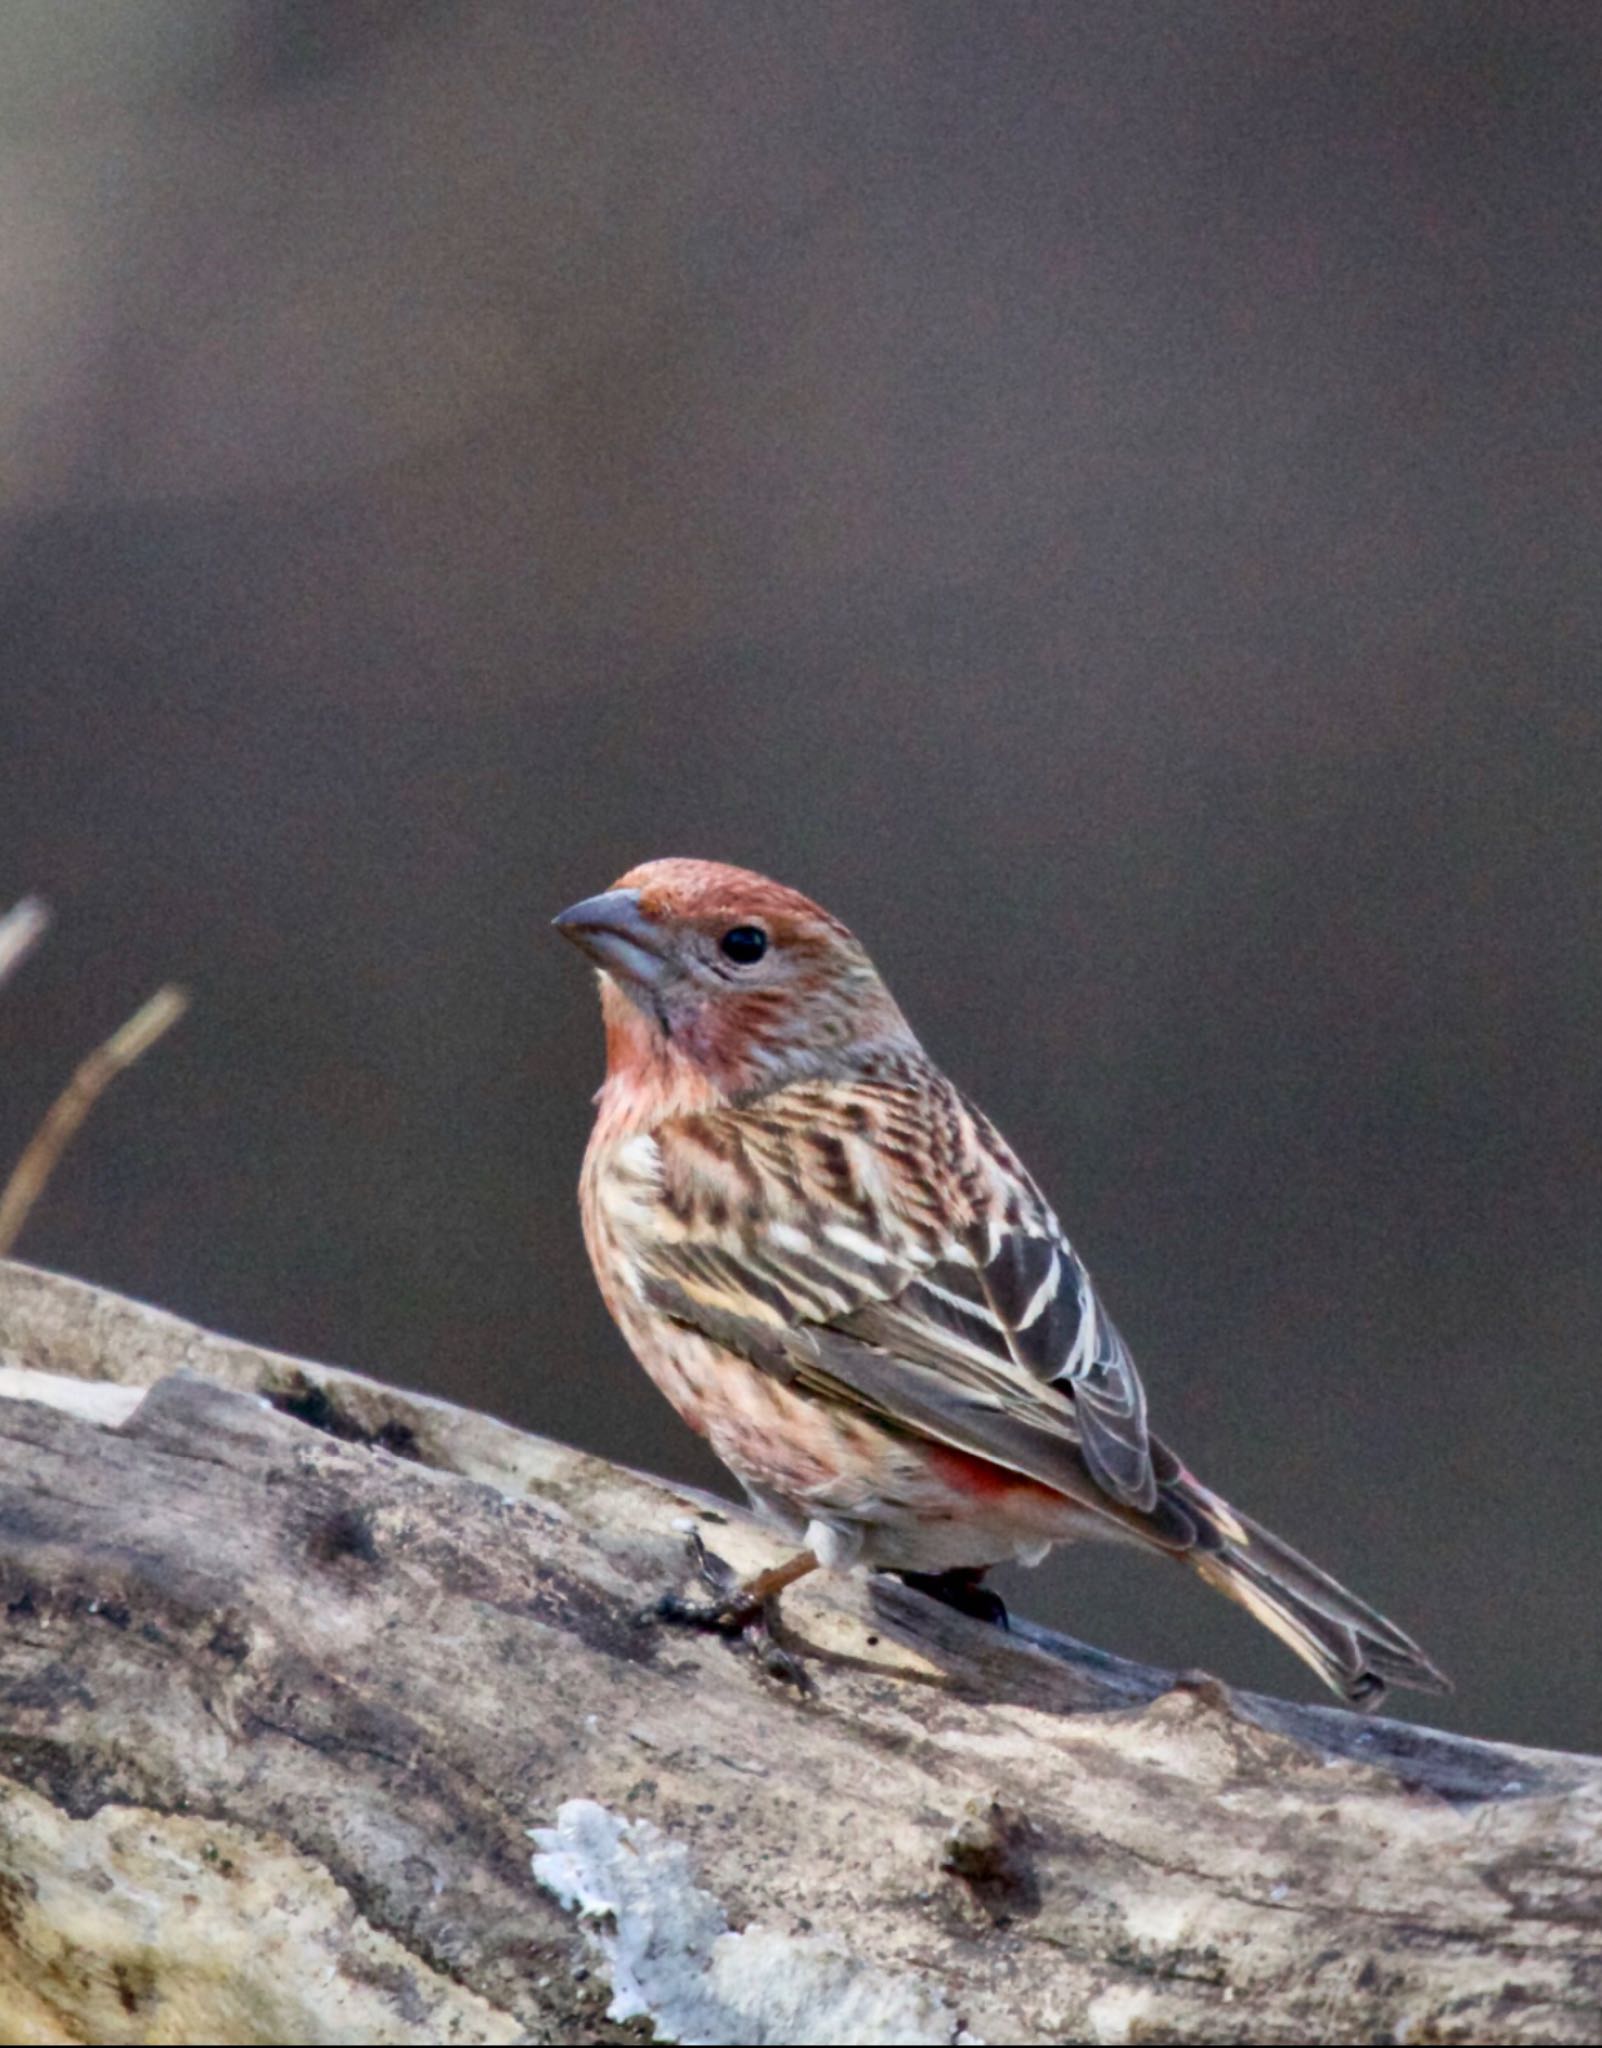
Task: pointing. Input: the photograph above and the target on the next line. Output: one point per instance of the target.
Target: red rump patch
(964, 1473)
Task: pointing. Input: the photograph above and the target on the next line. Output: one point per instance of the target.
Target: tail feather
(1351, 1646)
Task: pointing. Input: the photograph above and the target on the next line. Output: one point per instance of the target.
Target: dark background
(1104, 497)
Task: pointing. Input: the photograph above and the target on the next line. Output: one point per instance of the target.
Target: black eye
(745, 945)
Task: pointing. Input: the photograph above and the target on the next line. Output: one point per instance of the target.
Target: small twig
(21, 929)
(44, 1150)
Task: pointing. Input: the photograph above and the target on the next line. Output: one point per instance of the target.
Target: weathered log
(292, 1663)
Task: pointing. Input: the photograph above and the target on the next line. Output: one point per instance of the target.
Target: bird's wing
(882, 1245)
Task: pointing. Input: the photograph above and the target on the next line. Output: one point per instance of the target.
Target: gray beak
(617, 935)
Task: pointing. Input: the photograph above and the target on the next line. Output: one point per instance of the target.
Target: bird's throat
(649, 1073)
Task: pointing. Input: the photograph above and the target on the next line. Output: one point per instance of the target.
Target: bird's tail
(1351, 1646)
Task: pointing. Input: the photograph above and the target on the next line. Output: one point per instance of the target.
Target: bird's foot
(743, 1612)
(962, 1589)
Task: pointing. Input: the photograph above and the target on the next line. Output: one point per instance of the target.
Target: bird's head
(742, 981)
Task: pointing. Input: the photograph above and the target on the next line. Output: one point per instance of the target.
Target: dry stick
(21, 929)
(74, 1103)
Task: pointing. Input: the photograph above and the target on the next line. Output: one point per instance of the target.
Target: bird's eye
(744, 945)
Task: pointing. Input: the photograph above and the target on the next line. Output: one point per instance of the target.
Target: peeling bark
(286, 1682)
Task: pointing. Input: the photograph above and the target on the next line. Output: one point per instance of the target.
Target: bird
(842, 1276)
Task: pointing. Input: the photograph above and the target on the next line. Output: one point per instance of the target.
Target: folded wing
(811, 1233)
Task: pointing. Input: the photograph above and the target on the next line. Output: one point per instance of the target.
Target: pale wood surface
(285, 1682)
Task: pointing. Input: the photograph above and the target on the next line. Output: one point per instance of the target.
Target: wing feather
(968, 1318)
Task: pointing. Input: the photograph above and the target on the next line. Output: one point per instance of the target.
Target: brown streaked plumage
(839, 1272)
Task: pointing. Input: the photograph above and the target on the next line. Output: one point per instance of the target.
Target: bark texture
(325, 1716)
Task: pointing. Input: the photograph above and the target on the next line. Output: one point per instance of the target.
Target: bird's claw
(783, 1665)
(714, 1572)
(748, 1623)
(720, 1618)
(963, 1591)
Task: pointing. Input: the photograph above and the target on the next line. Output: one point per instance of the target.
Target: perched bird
(840, 1274)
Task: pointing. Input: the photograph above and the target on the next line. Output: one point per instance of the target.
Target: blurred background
(1104, 498)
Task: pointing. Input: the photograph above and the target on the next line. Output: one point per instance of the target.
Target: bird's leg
(742, 1610)
(963, 1589)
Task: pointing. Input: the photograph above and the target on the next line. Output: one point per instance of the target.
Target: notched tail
(1352, 1647)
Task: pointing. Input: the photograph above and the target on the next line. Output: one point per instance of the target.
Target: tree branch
(285, 1685)
(92, 1077)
